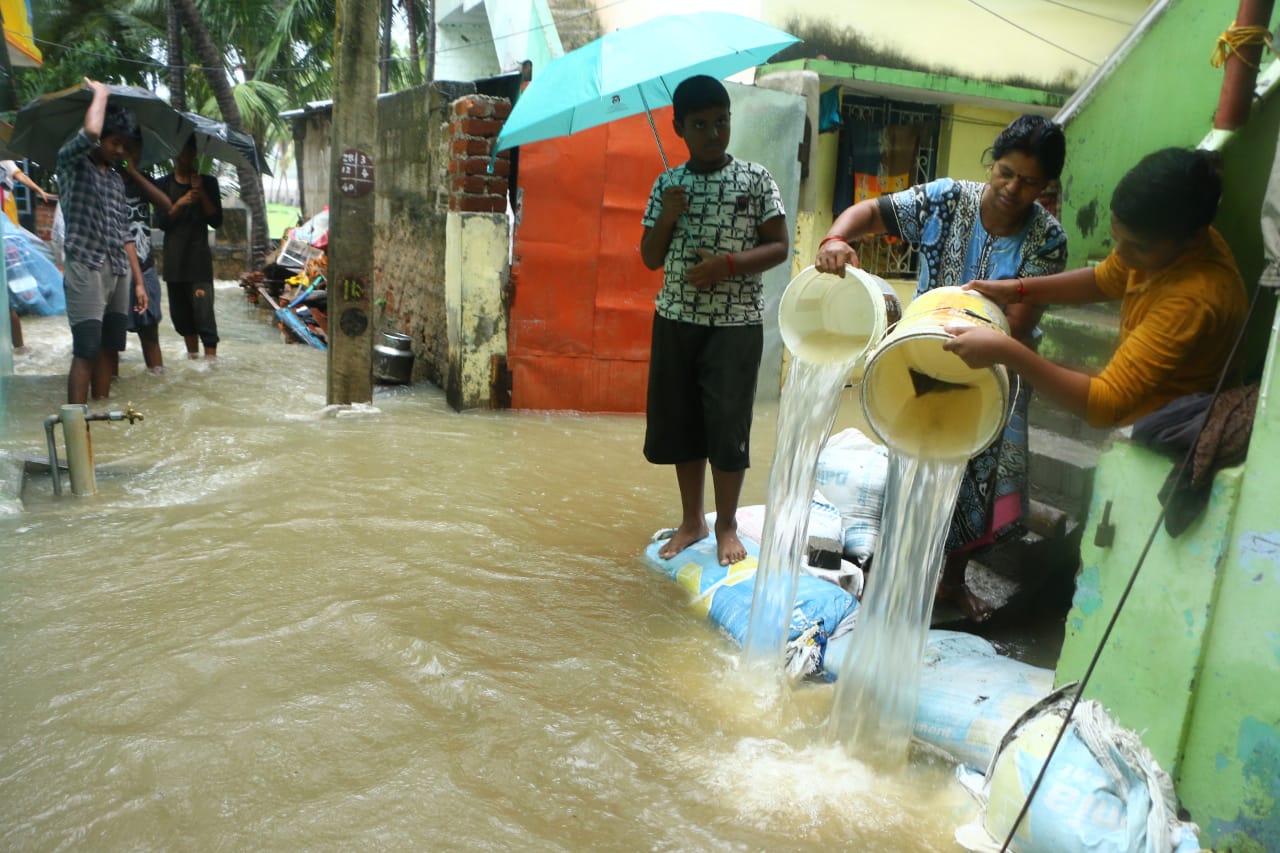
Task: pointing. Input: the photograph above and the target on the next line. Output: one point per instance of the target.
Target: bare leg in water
(952, 588)
(690, 476)
(728, 488)
(727, 485)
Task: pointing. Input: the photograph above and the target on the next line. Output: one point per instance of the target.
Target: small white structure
(484, 38)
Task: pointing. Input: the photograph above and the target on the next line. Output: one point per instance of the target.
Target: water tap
(129, 414)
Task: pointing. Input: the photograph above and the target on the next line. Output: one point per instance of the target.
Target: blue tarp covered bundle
(35, 284)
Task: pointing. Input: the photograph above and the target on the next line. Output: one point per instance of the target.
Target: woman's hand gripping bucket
(925, 402)
(829, 319)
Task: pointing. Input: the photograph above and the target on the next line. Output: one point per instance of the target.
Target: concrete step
(1081, 337)
(1061, 471)
(1046, 416)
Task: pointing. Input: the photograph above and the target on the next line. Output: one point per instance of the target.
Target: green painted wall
(1164, 92)
(1230, 774)
(1147, 673)
(1247, 156)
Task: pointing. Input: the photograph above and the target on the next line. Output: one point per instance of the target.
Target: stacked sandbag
(852, 470)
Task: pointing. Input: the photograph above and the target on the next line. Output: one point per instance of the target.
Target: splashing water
(877, 689)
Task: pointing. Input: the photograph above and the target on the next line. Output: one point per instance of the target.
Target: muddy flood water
(279, 627)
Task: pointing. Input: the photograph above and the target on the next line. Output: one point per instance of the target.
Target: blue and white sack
(852, 470)
(1103, 790)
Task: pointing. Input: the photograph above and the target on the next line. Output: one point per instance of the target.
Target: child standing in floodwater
(713, 225)
(195, 207)
(101, 261)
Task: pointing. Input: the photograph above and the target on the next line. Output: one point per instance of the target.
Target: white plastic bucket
(826, 319)
(925, 402)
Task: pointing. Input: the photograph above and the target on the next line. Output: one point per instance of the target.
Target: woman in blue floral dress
(967, 230)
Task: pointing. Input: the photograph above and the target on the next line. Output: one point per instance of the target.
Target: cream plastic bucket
(826, 319)
(925, 402)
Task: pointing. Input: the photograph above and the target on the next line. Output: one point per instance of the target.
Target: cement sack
(1103, 791)
(970, 694)
(723, 593)
(852, 470)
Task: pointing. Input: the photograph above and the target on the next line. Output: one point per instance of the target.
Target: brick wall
(473, 128)
(44, 217)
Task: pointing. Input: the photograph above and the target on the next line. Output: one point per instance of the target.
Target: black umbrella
(42, 126)
(220, 141)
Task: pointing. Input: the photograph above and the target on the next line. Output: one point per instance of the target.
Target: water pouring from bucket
(829, 324)
(934, 413)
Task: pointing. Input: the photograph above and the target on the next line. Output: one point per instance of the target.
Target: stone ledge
(1061, 471)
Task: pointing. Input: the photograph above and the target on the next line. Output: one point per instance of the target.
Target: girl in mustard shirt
(1182, 298)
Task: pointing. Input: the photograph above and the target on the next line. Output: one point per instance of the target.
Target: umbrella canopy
(634, 70)
(42, 126)
(220, 141)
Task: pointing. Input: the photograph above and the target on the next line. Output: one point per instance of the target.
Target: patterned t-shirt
(139, 223)
(726, 209)
(941, 219)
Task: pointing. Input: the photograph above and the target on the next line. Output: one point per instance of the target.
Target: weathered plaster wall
(409, 231)
(312, 147)
(476, 284)
(967, 133)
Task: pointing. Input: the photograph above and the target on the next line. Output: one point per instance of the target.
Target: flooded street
(391, 628)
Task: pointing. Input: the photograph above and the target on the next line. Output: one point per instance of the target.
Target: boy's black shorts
(702, 386)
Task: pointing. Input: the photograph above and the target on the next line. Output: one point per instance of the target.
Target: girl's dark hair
(698, 93)
(1170, 194)
(1036, 137)
(120, 121)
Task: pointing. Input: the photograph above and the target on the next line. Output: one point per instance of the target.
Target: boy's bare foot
(682, 539)
(728, 545)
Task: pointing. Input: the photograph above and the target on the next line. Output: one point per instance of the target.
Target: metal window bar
(878, 254)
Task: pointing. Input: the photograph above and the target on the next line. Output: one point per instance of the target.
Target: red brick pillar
(473, 129)
(44, 217)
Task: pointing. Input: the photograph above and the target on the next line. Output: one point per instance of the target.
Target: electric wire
(1032, 33)
(1089, 12)
(1128, 588)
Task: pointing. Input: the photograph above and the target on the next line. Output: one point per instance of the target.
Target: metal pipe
(53, 453)
(75, 433)
(1240, 72)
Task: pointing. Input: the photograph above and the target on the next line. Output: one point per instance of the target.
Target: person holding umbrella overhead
(713, 224)
(195, 207)
(100, 260)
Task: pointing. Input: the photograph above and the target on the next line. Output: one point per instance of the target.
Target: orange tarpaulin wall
(583, 307)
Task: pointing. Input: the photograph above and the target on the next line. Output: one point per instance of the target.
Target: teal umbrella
(635, 70)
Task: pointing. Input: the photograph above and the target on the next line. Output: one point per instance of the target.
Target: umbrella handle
(684, 220)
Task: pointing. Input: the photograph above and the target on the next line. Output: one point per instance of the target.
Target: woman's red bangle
(1022, 290)
(825, 240)
(729, 258)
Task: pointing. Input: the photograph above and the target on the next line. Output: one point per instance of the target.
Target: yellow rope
(1235, 38)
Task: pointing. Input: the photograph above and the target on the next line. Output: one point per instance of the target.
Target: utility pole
(350, 272)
